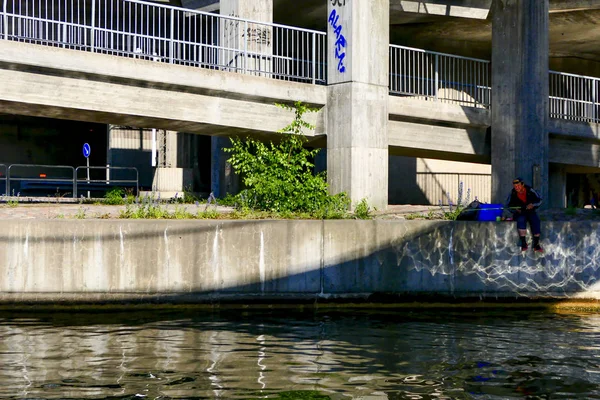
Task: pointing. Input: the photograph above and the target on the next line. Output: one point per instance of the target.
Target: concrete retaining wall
(102, 260)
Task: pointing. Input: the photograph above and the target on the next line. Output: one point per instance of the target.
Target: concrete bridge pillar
(247, 46)
(520, 95)
(357, 99)
(174, 172)
(255, 58)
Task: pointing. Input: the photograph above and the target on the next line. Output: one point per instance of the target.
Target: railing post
(391, 70)
(172, 38)
(93, 28)
(64, 34)
(314, 57)
(75, 183)
(594, 100)
(5, 19)
(8, 180)
(245, 36)
(437, 76)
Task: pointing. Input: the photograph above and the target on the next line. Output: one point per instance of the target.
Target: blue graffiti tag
(340, 40)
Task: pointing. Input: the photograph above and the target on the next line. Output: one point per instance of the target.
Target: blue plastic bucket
(489, 212)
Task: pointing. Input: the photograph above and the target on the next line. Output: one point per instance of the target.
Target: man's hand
(530, 206)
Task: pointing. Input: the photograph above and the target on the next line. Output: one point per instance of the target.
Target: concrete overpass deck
(68, 84)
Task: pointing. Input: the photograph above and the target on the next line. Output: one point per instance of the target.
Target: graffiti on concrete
(340, 40)
(231, 28)
(231, 24)
(259, 35)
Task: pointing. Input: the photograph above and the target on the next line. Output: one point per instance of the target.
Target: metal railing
(439, 77)
(85, 182)
(3, 180)
(37, 173)
(574, 97)
(162, 33)
(40, 178)
(445, 187)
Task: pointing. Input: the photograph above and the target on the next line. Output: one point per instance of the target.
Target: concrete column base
(172, 182)
(557, 182)
(357, 142)
(223, 179)
(363, 174)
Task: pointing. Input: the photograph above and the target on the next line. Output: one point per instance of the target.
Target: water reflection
(457, 259)
(404, 355)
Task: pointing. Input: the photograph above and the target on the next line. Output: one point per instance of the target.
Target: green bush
(279, 177)
(362, 210)
(114, 196)
(228, 201)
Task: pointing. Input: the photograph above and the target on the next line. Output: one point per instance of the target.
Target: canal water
(201, 354)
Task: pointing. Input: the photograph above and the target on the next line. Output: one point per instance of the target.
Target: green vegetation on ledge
(279, 177)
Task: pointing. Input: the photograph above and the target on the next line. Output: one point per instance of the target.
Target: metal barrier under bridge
(62, 180)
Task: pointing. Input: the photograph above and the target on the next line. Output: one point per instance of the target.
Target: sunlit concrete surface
(198, 261)
(101, 88)
(78, 85)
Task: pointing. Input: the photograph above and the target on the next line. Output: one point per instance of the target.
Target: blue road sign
(86, 150)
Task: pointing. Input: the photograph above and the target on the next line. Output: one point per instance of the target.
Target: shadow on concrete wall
(273, 261)
(474, 124)
(402, 182)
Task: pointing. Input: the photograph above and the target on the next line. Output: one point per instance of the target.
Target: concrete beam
(558, 6)
(475, 9)
(67, 84)
(464, 143)
(158, 75)
(566, 151)
(35, 94)
(201, 5)
(574, 129)
(472, 144)
(419, 110)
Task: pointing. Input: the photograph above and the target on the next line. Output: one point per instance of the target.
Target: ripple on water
(400, 355)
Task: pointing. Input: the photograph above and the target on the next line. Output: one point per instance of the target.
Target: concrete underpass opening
(36, 147)
(28, 140)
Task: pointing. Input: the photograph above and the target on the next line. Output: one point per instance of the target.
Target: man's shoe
(524, 247)
(538, 249)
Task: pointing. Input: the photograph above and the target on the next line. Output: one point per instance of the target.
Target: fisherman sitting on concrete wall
(523, 201)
